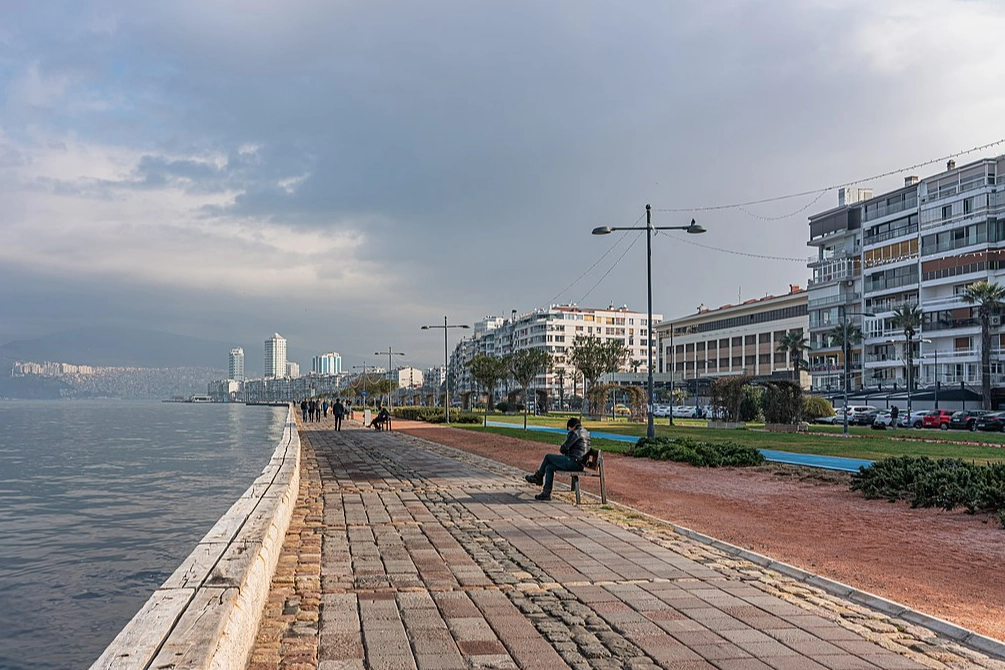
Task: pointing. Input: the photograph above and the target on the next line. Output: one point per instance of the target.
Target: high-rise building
(275, 356)
(235, 369)
(292, 369)
(327, 364)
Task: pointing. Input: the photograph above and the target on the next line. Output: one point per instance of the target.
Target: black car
(864, 419)
(992, 421)
(966, 419)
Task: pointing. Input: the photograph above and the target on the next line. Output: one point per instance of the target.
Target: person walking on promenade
(303, 409)
(573, 452)
(324, 407)
(338, 411)
(311, 407)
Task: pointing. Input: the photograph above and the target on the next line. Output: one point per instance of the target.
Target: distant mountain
(119, 347)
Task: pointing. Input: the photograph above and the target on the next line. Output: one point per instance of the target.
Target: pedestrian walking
(338, 411)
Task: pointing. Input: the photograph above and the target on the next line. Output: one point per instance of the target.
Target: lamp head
(465, 326)
(694, 228)
(424, 328)
(603, 230)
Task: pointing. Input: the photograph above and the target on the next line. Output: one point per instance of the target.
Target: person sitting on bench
(382, 421)
(573, 451)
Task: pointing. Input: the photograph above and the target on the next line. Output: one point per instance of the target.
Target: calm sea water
(99, 503)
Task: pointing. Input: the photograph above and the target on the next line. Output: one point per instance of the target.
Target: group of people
(313, 409)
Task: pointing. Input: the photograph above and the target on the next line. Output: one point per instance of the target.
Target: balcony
(872, 213)
(834, 275)
(952, 324)
(841, 299)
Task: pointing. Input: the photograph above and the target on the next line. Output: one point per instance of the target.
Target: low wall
(206, 614)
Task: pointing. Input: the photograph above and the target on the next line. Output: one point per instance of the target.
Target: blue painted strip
(808, 460)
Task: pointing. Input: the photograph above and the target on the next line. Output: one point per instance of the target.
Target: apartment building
(921, 244)
(734, 339)
(553, 329)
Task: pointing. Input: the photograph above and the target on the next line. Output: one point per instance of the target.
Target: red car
(937, 418)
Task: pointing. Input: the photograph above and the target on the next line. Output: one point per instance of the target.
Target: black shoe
(534, 479)
(542, 496)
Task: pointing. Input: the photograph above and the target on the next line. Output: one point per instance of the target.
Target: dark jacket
(576, 444)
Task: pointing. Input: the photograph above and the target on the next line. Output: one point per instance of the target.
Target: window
(947, 212)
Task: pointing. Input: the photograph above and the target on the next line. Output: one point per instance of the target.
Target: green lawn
(862, 442)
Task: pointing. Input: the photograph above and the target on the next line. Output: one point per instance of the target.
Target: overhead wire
(625, 253)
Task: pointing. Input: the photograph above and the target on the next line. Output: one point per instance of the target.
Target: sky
(345, 172)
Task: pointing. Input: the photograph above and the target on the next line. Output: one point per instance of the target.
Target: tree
(989, 298)
(837, 335)
(794, 344)
(907, 318)
(524, 365)
(594, 358)
(488, 371)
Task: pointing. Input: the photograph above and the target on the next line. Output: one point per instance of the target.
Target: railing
(834, 300)
(879, 238)
(953, 324)
(837, 275)
(878, 212)
(893, 282)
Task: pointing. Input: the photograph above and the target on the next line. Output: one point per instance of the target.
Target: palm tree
(907, 317)
(837, 336)
(794, 344)
(989, 298)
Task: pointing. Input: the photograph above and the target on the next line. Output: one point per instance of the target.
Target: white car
(685, 412)
(912, 420)
(661, 410)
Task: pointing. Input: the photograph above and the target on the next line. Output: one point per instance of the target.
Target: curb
(206, 614)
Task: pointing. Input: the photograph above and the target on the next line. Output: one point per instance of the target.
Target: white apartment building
(292, 369)
(235, 366)
(409, 378)
(734, 340)
(553, 329)
(327, 364)
(921, 244)
(275, 356)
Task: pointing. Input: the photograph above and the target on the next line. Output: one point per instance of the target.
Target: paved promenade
(407, 555)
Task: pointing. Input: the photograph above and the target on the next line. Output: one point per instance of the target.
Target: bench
(381, 424)
(593, 466)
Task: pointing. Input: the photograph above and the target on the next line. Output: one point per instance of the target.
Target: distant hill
(119, 347)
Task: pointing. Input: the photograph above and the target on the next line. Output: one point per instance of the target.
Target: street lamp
(847, 371)
(389, 354)
(446, 364)
(936, 352)
(693, 229)
(906, 356)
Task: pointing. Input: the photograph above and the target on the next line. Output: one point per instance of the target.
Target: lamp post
(936, 352)
(906, 356)
(847, 363)
(693, 228)
(446, 364)
(362, 382)
(389, 354)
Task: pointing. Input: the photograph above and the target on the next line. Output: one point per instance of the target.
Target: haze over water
(99, 502)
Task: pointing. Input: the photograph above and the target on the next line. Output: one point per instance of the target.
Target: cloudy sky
(345, 172)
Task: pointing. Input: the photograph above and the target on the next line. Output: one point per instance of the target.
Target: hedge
(948, 483)
(697, 453)
(435, 415)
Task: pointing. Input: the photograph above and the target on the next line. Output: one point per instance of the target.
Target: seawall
(206, 614)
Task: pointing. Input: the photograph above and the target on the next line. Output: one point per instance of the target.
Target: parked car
(991, 421)
(685, 412)
(861, 415)
(883, 420)
(966, 419)
(914, 419)
(661, 410)
(621, 410)
(937, 418)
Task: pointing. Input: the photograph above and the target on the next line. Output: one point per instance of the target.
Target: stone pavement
(404, 554)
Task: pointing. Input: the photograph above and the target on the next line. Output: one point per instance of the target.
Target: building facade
(275, 356)
(327, 364)
(732, 340)
(235, 366)
(919, 245)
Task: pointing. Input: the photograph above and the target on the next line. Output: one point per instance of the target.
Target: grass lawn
(862, 442)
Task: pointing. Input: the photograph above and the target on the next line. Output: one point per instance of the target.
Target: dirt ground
(946, 564)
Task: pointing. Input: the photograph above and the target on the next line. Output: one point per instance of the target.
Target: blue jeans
(554, 462)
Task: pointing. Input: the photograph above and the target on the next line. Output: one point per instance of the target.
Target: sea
(100, 501)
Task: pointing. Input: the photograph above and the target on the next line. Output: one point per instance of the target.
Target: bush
(946, 483)
(435, 415)
(697, 453)
(815, 407)
(503, 407)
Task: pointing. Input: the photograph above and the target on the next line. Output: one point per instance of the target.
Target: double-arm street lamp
(446, 364)
(693, 228)
(847, 363)
(389, 354)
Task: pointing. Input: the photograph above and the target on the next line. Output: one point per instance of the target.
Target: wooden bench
(593, 466)
(378, 424)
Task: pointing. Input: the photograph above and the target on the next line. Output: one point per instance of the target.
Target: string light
(738, 253)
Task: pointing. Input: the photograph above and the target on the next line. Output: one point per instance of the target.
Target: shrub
(698, 453)
(946, 483)
(782, 402)
(815, 407)
(435, 415)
